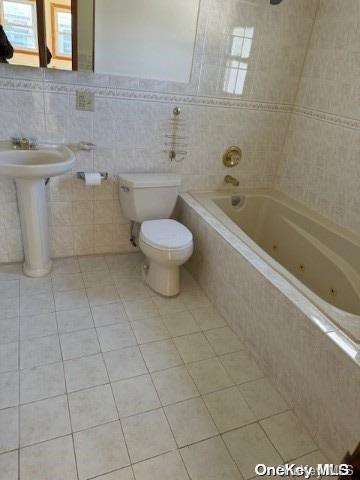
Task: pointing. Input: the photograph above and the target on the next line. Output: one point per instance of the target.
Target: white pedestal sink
(30, 169)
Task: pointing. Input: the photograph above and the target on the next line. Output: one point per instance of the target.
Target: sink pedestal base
(34, 225)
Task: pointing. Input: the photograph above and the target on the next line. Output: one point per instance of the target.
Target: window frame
(57, 7)
(23, 50)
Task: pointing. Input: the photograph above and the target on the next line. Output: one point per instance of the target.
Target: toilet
(149, 199)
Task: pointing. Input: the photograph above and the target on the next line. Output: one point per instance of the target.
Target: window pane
(64, 44)
(20, 37)
(64, 22)
(18, 13)
(64, 40)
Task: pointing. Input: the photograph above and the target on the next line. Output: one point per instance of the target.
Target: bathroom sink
(43, 162)
(30, 168)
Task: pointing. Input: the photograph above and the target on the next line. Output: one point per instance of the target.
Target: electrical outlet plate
(85, 100)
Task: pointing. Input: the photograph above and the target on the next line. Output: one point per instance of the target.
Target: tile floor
(101, 378)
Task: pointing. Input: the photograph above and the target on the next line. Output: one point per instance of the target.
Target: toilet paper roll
(93, 178)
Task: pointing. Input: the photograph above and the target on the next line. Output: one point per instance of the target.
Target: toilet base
(163, 279)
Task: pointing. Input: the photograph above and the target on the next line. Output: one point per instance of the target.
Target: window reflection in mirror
(19, 21)
(58, 33)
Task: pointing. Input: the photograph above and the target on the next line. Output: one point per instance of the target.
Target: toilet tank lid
(146, 180)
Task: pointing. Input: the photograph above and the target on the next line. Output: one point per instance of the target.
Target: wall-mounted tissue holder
(92, 178)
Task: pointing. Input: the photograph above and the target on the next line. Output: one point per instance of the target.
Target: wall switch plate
(85, 100)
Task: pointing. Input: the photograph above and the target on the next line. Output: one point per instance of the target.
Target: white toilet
(149, 199)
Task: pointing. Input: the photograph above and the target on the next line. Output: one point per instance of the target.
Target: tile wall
(320, 163)
(131, 117)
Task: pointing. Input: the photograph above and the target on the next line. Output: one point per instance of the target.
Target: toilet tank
(148, 196)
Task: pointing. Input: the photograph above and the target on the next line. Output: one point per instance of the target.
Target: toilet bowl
(149, 199)
(166, 244)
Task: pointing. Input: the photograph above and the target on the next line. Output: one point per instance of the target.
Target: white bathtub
(319, 258)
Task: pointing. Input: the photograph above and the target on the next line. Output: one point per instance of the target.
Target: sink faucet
(230, 179)
(24, 143)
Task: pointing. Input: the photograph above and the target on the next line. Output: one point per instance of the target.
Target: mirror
(151, 39)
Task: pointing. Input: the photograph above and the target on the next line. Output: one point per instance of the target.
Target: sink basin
(46, 161)
(29, 169)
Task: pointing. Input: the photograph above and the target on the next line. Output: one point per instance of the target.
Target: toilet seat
(166, 234)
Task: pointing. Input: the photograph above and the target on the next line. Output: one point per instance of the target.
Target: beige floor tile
(9, 329)
(124, 363)
(71, 300)
(160, 355)
(262, 398)
(9, 465)
(68, 282)
(194, 347)
(96, 278)
(209, 375)
(9, 307)
(150, 330)
(249, 446)
(113, 337)
(223, 340)
(180, 323)
(241, 367)
(169, 305)
(9, 389)
(65, 265)
(9, 429)
(109, 314)
(174, 385)
(37, 304)
(35, 286)
(85, 372)
(123, 474)
(228, 409)
(39, 351)
(131, 288)
(195, 299)
(102, 295)
(92, 263)
(208, 317)
(100, 450)
(288, 435)
(41, 382)
(148, 435)
(210, 460)
(140, 309)
(9, 289)
(74, 320)
(165, 467)
(135, 395)
(53, 459)
(44, 420)
(9, 357)
(190, 421)
(32, 326)
(92, 407)
(79, 344)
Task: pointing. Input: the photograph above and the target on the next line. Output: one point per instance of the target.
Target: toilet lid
(168, 234)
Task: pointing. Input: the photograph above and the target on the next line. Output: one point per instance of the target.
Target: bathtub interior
(327, 263)
(301, 246)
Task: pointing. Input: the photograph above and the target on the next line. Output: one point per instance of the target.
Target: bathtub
(317, 257)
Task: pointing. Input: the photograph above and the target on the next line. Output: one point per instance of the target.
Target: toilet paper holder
(103, 175)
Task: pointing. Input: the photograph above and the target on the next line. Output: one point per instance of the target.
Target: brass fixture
(230, 179)
(333, 292)
(301, 267)
(24, 143)
(274, 247)
(232, 156)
